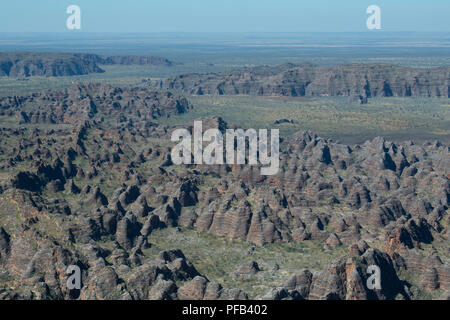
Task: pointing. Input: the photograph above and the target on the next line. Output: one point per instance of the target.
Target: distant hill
(366, 80)
(127, 60)
(26, 64)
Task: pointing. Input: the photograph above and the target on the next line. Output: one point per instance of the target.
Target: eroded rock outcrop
(355, 80)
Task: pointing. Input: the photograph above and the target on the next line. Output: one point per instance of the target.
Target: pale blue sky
(224, 15)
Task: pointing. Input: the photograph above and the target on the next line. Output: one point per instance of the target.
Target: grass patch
(333, 117)
(218, 258)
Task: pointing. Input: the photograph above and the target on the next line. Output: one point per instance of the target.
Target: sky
(224, 15)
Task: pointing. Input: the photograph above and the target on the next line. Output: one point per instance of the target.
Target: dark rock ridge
(355, 80)
(85, 101)
(126, 60)
(26, 64)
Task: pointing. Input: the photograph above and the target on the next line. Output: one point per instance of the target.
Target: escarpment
(353, 80)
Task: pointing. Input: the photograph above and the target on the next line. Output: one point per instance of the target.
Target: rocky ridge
(26, 64)
(361, 81)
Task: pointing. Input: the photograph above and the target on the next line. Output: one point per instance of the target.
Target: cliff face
(367, 80)
(37, 64)
(26, 64)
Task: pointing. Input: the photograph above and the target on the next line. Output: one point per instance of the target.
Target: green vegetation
(333, 117)
(223, 257)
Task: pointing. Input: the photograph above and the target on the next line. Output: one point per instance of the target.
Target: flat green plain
(331, 117)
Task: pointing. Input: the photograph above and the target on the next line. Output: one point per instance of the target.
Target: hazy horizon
(229, 16)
